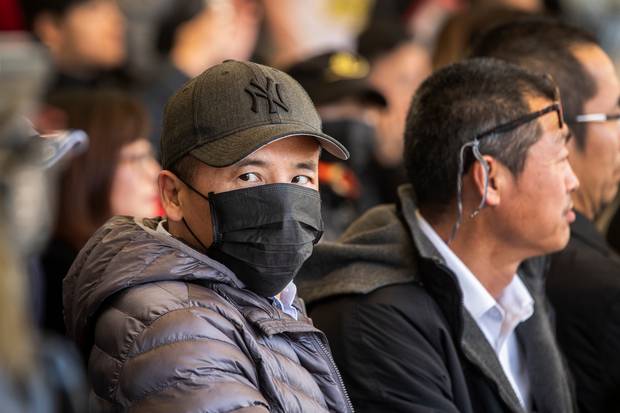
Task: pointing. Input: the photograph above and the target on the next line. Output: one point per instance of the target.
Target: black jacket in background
(583, 285)
(400, 335)
(55, 261)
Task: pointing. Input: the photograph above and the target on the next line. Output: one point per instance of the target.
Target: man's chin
(560, 242)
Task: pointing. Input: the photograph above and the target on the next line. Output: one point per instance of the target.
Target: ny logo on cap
(257, 91)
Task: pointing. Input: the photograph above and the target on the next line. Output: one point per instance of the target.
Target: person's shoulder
(579, 277)
(402, 295)
(154, 334)
(402, 303)
(151, 318)
(581, 262)
(148, 302)
(398, 321)
(410, 301)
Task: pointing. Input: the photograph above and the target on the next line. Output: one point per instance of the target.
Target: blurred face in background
(90, 35)
(397, 75)
(223, 29)
(117, 174)
(134, 189)
(597, 164)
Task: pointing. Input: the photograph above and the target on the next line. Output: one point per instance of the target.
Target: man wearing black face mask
(198, 311)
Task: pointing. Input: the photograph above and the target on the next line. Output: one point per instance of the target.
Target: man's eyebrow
(250, 162)
(310, 165)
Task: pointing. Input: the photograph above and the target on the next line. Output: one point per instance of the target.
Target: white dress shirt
(497, 319)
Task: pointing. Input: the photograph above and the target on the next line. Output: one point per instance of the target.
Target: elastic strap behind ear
(475, 148)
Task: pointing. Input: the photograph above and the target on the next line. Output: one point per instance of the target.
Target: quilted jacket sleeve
(172, 347)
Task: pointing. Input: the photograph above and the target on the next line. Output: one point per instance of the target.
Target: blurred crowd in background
(113, 64)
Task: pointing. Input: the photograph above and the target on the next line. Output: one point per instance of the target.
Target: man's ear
(169, 186)
(47, 28)
(496, 179)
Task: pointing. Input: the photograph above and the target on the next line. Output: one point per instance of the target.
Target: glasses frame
(514, 124)
(596, 117)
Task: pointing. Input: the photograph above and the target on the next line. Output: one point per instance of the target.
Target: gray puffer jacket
(167, 329)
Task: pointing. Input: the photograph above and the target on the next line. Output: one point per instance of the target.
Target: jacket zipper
(334, 369)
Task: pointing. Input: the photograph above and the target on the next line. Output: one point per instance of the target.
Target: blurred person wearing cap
(398, 65)
(85, 38)
(426, 303)
(191, 36)
(583, 281)
(337, 83)
(198, 311)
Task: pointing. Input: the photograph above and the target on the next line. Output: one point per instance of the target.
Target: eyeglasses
(139, 160)
(475, 147)
(596, 117)
(514, 124)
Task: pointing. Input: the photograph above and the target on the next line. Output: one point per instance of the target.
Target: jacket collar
(480, 353)
(425, 247)
(259, 312)
(551, 389)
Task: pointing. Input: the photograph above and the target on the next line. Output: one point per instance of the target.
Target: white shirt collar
(515, 298)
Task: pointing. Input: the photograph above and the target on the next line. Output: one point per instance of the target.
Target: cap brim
(233, 148)
(358, 88)
(374, 97)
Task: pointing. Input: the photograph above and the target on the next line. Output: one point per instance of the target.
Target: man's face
(291, 160)
(91, 35)
(397, 75)
(536, 205)
(598, 164)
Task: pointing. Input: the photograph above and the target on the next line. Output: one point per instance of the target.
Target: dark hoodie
(167, 329)
(400, 335)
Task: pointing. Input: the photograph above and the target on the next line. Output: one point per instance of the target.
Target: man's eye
(301, 180)
(249, 177)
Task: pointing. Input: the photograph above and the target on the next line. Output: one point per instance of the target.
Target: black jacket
(403, 341)
(584, 287)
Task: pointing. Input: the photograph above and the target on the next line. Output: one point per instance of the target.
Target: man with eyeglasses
(425, 303)
(583, 281)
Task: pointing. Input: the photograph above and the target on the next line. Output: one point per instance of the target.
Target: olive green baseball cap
(235, 108)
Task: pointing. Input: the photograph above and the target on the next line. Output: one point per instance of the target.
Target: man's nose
(572, 180)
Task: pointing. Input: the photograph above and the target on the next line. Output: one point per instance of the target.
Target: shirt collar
(285, 302)
(477, 300)
(517, 300)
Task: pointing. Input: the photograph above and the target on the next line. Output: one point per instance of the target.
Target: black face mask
(264, 233)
